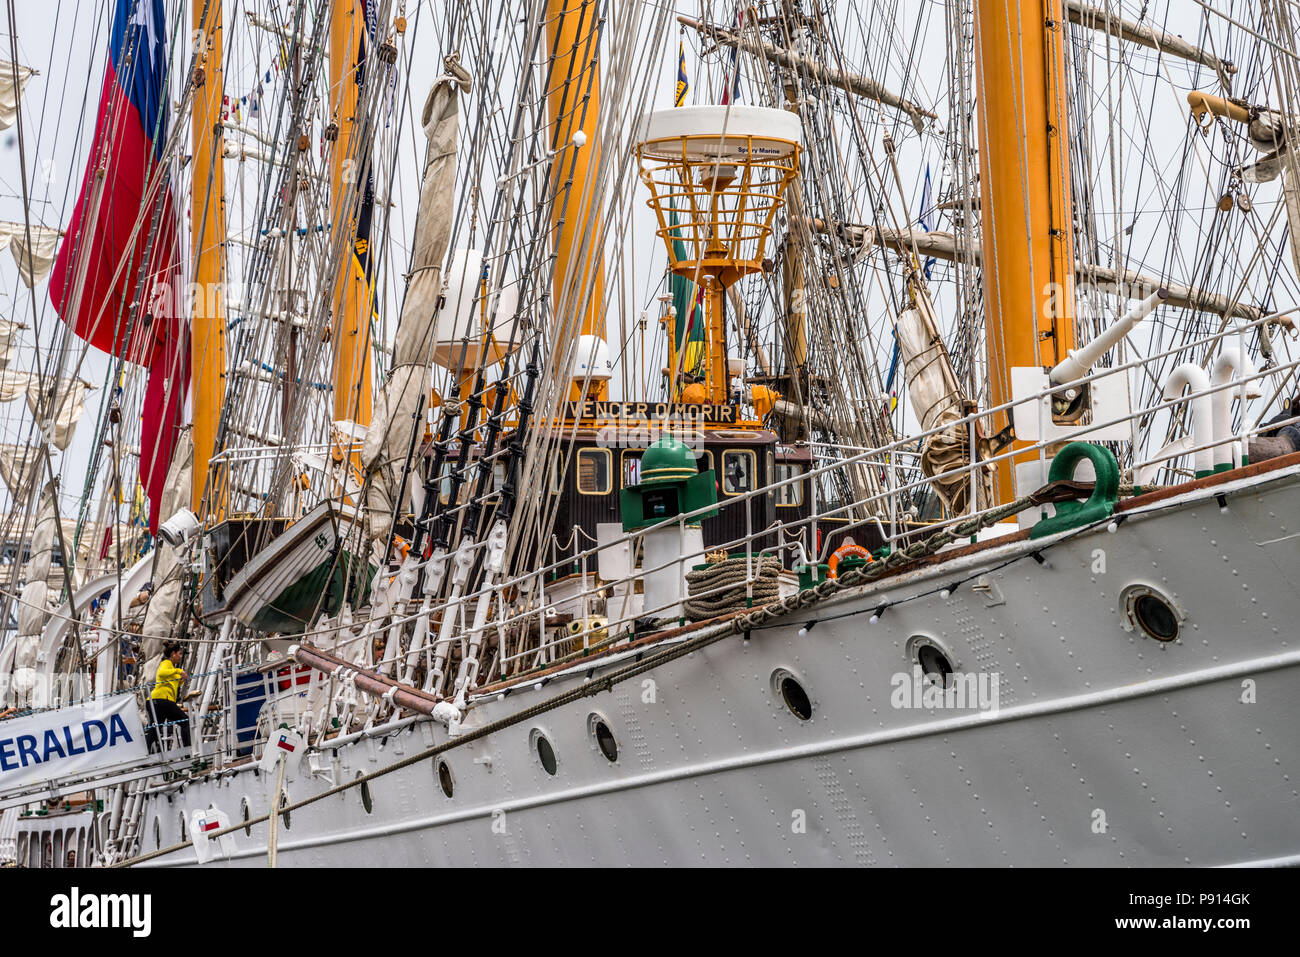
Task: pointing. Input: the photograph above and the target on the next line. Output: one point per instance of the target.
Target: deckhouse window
(594, 468)
(632, 468)
(792, 494)
(737, 471)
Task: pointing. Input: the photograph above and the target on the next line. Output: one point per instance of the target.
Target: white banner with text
(70, 741)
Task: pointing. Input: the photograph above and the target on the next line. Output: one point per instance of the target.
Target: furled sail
(9, 332)
(791, 59)
(34, 601)
(13, 77)
(58, 415)
(14, 383)
(392, 426)
(1274, 136)
(34, 259)
(19, 466)
(936, 397)
(940, 244)
(165, 601)
(43, 537)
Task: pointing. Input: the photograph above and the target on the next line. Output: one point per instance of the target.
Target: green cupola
(671, 484)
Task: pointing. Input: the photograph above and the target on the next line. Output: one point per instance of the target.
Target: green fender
(1105, 493)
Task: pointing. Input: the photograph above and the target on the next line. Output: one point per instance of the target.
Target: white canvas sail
(1291, 197)
(19, 467)
(34, 601)
(13, 77)
(35, 259)
(14, 383)
(393, 423)
(57, 416)
(9, 334)
(166, 597)
(44, 537)
(936, 397)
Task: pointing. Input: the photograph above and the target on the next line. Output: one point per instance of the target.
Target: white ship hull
(1107, 748)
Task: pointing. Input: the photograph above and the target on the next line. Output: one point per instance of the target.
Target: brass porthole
(934, 664)
(604, 737)
(792, 693)
(1151, 614)
(937, 663)
(444, 777)
(541, 745)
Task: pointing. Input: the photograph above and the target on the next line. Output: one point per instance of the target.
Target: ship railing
(880, 505)
(546, 651)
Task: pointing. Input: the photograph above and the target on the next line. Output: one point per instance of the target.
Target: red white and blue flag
(121, 246)
(285, 745)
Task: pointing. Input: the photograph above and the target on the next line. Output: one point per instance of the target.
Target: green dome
(668, 460)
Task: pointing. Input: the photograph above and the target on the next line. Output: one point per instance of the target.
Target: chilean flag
(122, 241)
(284, 744)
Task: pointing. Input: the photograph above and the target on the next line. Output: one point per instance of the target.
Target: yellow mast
(1026, 206)
(721, 272)
(351, 332)
(573, 102)
(208, 224)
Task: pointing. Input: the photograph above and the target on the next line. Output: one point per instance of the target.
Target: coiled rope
(739, 591)
(892, 562)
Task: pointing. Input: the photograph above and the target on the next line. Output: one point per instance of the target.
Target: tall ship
(583, 432)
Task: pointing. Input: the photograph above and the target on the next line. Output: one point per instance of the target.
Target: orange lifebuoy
(845, 551)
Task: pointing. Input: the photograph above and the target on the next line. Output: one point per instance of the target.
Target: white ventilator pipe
(1077, 363)
(1190, 375)
(1231, 363)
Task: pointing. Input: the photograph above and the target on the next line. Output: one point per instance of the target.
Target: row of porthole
(541, 745)
(791, 691)
(789, 688)
(1149, 610)
(1151, 613)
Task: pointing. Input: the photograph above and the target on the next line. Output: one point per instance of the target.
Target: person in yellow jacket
(163, 706)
